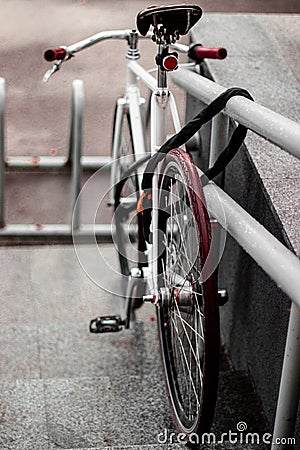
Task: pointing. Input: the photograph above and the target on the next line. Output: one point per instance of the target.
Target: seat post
(169, 22)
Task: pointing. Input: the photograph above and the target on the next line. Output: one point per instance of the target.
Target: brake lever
(52, 71)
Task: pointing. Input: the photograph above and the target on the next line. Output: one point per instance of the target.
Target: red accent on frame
(55, 53)
(212, 53)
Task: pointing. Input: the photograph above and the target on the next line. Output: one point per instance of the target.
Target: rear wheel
(188, 314)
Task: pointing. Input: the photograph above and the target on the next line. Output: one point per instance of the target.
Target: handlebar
(53, 54)
(69, 51)
(63, 53)
(197, 52)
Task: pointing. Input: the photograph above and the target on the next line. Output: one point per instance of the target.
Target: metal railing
(276, 260)
(2, 144)
(272, 126)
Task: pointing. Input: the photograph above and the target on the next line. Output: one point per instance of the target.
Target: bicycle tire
(193, 325)
(130, 250)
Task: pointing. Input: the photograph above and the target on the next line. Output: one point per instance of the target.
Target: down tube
(159, 110)
(121, 102)
(138, 130)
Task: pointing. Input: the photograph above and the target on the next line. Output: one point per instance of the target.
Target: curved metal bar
(259, 243)
(114, 34)
(77, 108)
(92, 40)
(70, 50)
(272, 126)
(289, 392)
(2, 147)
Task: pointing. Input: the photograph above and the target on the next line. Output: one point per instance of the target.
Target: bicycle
(163, 263)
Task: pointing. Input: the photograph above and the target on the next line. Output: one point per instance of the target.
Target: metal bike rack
(276, 260)
(2, 144)
(74, 161)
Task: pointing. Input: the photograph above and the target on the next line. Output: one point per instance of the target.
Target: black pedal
(106, 324)
(223, 297)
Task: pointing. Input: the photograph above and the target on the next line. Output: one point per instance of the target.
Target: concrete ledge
(263, 58)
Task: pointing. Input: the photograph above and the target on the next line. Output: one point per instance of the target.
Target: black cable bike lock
(194, 125)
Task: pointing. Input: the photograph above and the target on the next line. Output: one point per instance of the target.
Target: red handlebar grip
(55, 53)
(198, 52)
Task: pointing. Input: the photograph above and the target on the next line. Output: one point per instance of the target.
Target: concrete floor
(60, 386)
(63, 388)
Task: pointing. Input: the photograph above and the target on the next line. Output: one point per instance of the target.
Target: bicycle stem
(133, 51)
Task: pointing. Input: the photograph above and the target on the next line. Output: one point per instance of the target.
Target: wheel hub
(183, 296)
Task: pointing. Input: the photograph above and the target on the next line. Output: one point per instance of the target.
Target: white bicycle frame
(162, 102)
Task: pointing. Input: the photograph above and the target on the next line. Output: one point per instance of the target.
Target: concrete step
(94, 413)
(65, 388)
(175, 447)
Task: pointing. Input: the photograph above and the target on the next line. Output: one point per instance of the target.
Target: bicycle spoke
(187, 336)
(188, 325)
(187, 365)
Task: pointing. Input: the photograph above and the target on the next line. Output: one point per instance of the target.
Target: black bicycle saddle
(175, 19)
